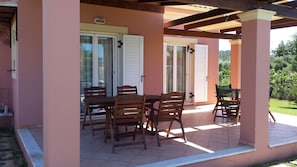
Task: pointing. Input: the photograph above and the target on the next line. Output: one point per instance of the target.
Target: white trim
(194, 159)
(235, 41)
(179, 40)
(9, 4)
(257, 14)
(103, 28)
(31, 148)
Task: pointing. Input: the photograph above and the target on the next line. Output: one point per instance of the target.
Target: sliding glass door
(175, 68)
(96, 60)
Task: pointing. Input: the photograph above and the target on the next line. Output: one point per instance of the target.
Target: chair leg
(215, 114)
(168, 131)
(107, 126)
(215, 108)
(143, 136)
(91, 122)
(182, 127)
(84, 119)
(112, 133)
(135, 130)
(271, 115)
(157, 131)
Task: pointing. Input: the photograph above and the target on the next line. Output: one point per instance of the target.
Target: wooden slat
(196, 17)
(127, 5)
(246, 5)
(212, 21)
(200, 34)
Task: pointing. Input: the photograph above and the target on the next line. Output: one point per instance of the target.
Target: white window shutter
(133, 61)
(201, 73)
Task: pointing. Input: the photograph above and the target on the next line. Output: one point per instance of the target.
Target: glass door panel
(86, 62)
(105, 63)
(175, 68)
(181, 68)
(169, 68)
(96, 62)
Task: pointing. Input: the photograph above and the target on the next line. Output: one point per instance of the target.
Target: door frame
(115, 58)
(180, 42)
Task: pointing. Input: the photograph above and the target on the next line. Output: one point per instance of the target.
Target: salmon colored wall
(147, 24)
(213, 66)
(28, 82)
(5, 78)
(235, 68)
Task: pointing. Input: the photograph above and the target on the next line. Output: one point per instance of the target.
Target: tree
(283, 73)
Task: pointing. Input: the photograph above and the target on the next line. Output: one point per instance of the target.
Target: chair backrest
(129, 109)
(171, 106)
(223, 87)
(227, 93)
(126, 89)
(223, 91)
(95, 91)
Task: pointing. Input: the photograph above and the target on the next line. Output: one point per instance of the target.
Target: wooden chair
(127, 112)
(228, 102)
(126, 89)
(94, 110)
(170, 109)
(218, 105)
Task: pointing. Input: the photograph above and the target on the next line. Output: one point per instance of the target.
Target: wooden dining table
(109, 101)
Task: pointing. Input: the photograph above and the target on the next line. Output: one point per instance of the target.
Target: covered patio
(44, 79)
(207, 140)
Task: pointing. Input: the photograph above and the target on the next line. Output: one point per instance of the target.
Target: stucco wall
(28, 82)
(5, 75)
(147, 24)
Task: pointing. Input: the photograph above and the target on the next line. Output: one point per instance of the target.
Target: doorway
(97, 59)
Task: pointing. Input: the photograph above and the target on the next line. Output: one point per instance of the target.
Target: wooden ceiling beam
(152, 0)
(200, 34)
(171, 3)
(292, 4)
(245, 5)
(127, 5)
(212, 21)
(195, 17)
(281, 23)
(236, 29)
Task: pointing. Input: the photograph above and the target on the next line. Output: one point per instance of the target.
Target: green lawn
(283, 106)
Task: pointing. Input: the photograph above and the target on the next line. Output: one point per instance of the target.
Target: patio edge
(33, 152)
(282, 142)
(201, 157)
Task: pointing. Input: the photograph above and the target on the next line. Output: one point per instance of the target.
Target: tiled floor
(204, 136)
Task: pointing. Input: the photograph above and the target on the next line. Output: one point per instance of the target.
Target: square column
(255, 77)
(235, 66)
(61, 78)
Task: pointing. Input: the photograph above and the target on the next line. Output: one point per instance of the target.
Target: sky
(276, 36)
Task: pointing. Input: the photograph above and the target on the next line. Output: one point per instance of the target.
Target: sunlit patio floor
(204, 137)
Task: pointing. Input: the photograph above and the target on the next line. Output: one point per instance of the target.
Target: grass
(283, 106)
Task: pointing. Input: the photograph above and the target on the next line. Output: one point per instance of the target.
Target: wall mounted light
(99, 20)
